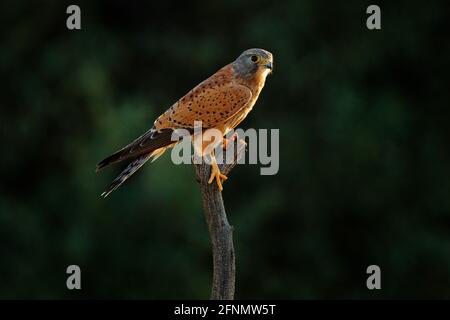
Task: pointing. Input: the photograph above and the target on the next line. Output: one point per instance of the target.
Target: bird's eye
(254, 58)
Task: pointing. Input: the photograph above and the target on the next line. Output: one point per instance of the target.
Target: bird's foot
(217, 175)
(243, 142)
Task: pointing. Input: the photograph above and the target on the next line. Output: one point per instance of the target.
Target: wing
(213, 102)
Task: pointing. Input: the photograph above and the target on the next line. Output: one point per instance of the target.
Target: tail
(144, 145)
(151, 144)
(131, 169)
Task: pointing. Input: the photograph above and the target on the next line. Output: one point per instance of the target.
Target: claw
(217, 175)
(243, 141)
(226, 141)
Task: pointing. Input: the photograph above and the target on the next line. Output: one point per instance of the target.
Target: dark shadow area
(364, 150)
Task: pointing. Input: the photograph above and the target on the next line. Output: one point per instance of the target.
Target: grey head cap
(251, 60)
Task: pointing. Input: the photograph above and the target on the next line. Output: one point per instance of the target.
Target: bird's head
(254, 62)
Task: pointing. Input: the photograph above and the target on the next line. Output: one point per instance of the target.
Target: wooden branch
(220, 231)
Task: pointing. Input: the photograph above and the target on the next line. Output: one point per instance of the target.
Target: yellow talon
(215, 173)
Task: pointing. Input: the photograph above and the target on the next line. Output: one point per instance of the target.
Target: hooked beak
(269, 65)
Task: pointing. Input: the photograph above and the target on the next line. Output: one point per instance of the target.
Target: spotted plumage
(221, 102)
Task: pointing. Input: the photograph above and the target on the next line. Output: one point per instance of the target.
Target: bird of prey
(220, 102)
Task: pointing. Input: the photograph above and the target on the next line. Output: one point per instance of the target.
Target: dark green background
(364, 149)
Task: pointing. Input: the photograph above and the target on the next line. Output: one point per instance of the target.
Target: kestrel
(220, 102)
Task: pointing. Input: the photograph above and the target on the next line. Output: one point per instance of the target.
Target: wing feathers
(213, 102)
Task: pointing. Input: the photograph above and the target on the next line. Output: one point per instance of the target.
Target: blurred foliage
(365, 164)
